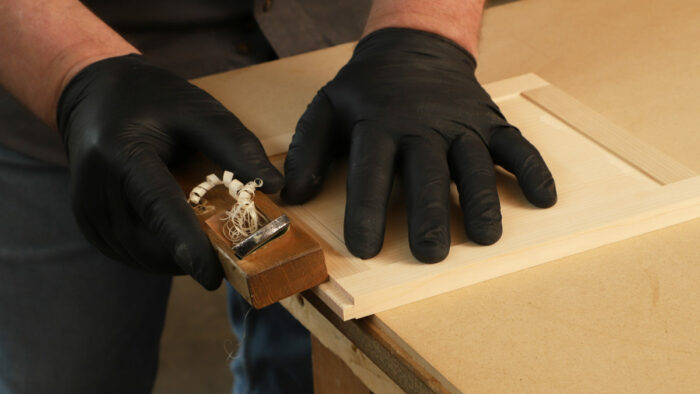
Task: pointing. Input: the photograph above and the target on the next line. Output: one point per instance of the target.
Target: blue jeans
(274, 354)
(74, 321)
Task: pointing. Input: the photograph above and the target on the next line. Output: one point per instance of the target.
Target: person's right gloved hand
(408, 101)
(123, 122)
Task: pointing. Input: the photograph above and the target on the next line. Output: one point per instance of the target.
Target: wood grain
(331, 374)
(586, 323)
(589, 322)
(287, 265)
(643, 157)
(270, 102)
(607, 194)
(608, 183)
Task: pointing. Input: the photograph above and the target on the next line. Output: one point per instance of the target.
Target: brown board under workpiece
(610, 185)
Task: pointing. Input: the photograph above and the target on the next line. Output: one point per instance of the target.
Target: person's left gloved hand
(409, 99)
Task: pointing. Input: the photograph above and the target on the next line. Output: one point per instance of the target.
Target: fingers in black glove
(472, 169)
(370, 177)
(311, 152)
(159, 204)
(124, 122)
(513, 152)
(223, 138)
(418, 92)
(426, 178)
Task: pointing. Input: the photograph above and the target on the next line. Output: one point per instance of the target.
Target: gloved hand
(123, 122)
(409, 100)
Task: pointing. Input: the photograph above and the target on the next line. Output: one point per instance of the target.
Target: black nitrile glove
(408, 100)
(123, 122)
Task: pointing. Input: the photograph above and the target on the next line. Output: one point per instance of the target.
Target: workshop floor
(196, 343)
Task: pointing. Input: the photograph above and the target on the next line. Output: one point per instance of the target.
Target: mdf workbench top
(623, 317)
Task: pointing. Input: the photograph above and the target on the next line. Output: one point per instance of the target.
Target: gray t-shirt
(198, 37)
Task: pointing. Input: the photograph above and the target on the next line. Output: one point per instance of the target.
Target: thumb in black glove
(408, 100)
(123, 122)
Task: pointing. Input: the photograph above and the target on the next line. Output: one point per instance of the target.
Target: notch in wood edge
(339, 291)
(512, 87)
(336, 302)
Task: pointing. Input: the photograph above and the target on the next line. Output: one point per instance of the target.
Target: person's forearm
(458, 20)
(44, 43)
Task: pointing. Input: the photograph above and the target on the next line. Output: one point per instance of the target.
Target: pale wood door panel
(611, 187)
